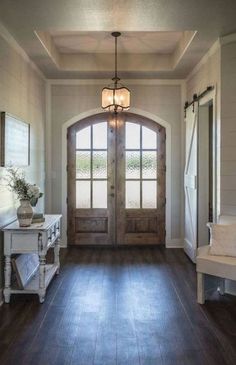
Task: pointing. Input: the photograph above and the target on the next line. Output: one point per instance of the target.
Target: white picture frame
(15, 141)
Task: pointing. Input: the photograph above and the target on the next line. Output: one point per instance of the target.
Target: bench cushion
(223, 239)
(221, 266)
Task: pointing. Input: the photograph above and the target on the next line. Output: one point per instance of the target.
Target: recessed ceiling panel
(129, 42)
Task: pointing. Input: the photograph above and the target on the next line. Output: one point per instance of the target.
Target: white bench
(221, 266)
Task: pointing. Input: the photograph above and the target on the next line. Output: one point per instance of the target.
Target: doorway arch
(139, 113)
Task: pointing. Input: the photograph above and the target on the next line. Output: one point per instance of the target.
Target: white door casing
(191, 181)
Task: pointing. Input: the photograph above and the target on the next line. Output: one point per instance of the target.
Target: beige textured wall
(22, 94)
(163, 101)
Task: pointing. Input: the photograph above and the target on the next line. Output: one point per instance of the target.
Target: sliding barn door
(191, 181)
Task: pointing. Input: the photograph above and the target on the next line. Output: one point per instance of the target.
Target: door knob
(112, 195)
(112, 187)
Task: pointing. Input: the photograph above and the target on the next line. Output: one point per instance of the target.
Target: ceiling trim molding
(4, 33)
(214, 48)
(100, 62)
(46, 40)
(103, 82)
(183, 45)
(230, 38)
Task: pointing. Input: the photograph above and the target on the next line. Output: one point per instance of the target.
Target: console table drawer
(24, 242)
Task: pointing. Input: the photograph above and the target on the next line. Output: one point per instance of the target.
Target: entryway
(116, 180)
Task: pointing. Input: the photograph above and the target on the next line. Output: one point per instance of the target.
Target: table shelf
(32, 287)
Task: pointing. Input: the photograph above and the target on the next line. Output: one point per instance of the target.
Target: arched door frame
(89, 113)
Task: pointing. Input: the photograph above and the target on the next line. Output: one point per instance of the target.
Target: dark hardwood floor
(131, 306)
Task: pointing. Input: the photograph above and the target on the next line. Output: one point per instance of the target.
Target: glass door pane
(140, 167)
(133, 194)
(91, 167)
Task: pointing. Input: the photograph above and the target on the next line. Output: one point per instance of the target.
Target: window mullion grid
(89, 149)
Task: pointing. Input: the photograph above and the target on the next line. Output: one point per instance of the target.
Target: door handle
(112, 187)
(112, 195)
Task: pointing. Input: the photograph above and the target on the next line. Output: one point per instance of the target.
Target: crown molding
(103, 82)
(230, 38)
(4, 33)
(183, 45)
(93, 62)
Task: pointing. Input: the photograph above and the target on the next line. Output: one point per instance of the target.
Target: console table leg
(56, 255)
(7, 271)
(42, 273)
(222, 287)
(200, 288)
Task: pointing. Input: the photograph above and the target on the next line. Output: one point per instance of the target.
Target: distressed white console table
(37, 238)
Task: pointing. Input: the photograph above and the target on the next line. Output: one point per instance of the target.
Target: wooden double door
(116, 181)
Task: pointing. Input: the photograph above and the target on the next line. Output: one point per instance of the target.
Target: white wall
(228, 133)
(208, 73)
(162, 100)
(218, 68)
(22, 94)
(228, 129)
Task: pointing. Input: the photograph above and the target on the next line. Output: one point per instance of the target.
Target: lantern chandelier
(115, 97)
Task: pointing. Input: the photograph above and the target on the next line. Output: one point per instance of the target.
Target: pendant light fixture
(115, 97)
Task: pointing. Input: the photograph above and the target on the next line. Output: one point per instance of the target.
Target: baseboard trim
(1, 297)
(62, 245)
(189, 250)
(174, 243)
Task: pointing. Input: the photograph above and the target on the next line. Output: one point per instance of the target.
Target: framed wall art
(15, 141)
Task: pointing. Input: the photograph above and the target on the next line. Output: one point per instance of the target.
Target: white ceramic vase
(24, 213)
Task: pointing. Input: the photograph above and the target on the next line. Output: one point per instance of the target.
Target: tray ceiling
(71, 38)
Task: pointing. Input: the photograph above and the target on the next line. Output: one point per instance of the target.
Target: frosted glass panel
(149, 138)
(132, 165)
(149, 165)
(132, 194)
(83, 165)
(100, 136)
(83, 194)
(132, 136)
(100, 164)
(99, 194)
(83, 138)
(149, 194)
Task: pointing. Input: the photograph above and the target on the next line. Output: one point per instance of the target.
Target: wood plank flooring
(125, 306)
